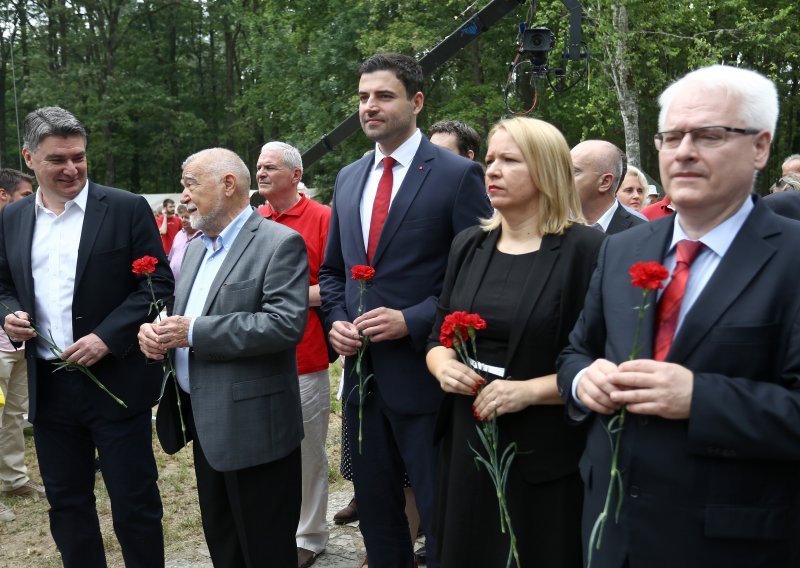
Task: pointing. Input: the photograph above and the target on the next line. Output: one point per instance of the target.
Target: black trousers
(249, 515)
(66, 432)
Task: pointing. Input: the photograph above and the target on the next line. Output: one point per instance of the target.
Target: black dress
(544, 491)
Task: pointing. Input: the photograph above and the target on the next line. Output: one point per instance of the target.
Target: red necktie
(380, 208)
(669, 307)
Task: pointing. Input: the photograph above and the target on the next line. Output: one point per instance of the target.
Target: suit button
(634, 491)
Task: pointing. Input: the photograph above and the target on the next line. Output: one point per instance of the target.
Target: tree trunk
(619, 66)
(229, 81)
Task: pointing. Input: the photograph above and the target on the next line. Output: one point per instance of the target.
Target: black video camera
(538, 43)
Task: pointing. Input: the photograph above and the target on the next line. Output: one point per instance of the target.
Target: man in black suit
(710, 451)
(599, 170)
(65, 267)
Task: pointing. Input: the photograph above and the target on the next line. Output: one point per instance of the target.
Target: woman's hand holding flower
(454, 376)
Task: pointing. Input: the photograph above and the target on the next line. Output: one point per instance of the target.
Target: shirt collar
(295, 210)
(78, 201)
(605, 220)
(229, 233)
(404, 153)
(719, 238)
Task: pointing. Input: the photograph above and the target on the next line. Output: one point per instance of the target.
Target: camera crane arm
(435, 58)
(445, 50)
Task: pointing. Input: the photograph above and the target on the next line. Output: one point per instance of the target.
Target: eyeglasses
(703, 137)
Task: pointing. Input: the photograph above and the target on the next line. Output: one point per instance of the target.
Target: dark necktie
(669, 307)
(380, 208)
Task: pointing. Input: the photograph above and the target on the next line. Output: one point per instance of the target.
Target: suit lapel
(415, 176)
(619, 221)
(748, 253)
(352, 204)
(96, 209)
(27, 224)
(650, 249)
(477, 266)
(538, 274)
(238, 247)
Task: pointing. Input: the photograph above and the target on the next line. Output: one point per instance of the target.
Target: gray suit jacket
(242, 367)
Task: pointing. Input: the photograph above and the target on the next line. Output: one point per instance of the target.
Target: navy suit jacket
(723, 487)
(442, 193)
(109, 300)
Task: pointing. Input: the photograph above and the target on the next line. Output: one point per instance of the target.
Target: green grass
(26, 542)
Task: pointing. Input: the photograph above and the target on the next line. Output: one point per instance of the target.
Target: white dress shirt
(605, 219)
(54, 260)
(404, 154)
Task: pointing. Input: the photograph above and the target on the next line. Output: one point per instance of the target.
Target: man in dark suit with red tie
(396, 209)
(710, 449)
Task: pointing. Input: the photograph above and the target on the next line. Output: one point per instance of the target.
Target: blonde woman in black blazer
(525, 271)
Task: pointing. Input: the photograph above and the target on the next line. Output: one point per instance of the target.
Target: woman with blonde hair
(525, 271)
(633, 189)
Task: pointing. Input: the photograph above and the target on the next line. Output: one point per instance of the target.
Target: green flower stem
(357, 367)
(56, 350)
(614, 429)
(497, 465)
(167, 367)
(86, 371)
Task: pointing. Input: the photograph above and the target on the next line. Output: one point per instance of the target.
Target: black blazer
(546, 309)
(622, 219)
(723, 487)
(109, 300)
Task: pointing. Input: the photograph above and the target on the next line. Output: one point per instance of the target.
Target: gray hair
(791, 158)
(291, 155)
(221, 161)
(49, 121)
(756, 93)
(789, 182)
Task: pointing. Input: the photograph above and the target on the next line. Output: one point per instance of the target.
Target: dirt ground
(26, 542)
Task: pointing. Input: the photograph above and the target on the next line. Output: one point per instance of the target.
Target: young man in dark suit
(65, 267)
(403, 227)
(710, 453)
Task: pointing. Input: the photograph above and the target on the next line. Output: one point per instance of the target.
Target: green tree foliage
(156, 80)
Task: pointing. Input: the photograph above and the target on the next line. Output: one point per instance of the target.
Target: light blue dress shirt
(216, 252)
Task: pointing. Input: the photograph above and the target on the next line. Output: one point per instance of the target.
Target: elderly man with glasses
(710, 450)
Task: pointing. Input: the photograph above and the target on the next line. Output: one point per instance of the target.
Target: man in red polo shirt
(168, 223)
(278, 173)
(658, 209)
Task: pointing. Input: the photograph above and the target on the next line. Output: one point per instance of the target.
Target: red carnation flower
(458, 326)
(145, 265)
(362, 272)
(648, 275)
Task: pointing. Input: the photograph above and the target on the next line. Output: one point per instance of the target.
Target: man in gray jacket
(241, 310)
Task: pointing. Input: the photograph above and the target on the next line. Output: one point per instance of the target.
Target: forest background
(156, 80)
